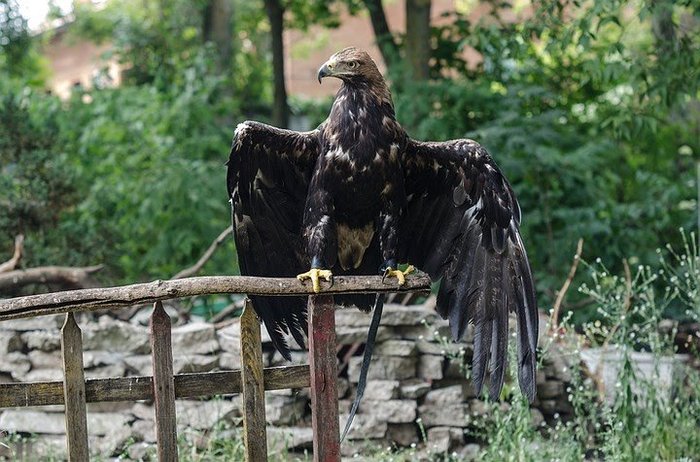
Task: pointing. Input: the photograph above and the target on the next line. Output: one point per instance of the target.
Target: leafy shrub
(595, 134)
(36, 181)
(131, 177)
(151, 168)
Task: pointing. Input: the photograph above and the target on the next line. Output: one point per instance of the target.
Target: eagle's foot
(398, 274)
(316, 274)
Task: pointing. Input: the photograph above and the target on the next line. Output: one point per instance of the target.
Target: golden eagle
(358, 196)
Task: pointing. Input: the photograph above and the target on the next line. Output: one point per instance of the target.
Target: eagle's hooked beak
(325, 71)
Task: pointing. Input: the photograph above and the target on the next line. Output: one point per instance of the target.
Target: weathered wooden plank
(74, 391)
(119, 389)
(229, 382)
(163, 384)
(138, 294)
(323, 371)
(31, 394)
(136, 388)
(254, 433)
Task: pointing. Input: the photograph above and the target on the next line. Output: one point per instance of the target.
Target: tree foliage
(35, 178)
(592, 115)
(148, 161)
(19, 58)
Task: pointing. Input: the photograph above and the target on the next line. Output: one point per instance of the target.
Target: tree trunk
(664, 30)
(418, 38)
(662, 23)
(217, 28)
(280, 110)
(382, 34)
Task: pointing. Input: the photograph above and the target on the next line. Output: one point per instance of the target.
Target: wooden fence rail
(164, 387)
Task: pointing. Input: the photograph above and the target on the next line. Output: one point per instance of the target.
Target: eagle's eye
(352, 64)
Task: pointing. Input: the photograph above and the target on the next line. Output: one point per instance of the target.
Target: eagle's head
(351, 65)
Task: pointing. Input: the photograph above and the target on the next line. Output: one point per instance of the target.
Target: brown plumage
(357, 196)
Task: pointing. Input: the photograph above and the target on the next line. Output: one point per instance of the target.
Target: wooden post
(163, 384)
(254, 433)
(74, 390)
(324, 374)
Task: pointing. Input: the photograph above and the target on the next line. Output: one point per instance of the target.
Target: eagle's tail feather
(283, 316)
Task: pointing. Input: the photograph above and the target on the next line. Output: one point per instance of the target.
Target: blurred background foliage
(590, 108)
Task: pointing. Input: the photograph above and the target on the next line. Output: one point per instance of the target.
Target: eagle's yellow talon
(398, 274)
(316, 275)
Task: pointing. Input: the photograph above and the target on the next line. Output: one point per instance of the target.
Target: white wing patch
(240, 132)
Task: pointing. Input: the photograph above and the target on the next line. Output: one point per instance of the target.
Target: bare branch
(12, 263)
(554, 326)
(192, 270)
(138, 294)
(226, 312)
(71, 276)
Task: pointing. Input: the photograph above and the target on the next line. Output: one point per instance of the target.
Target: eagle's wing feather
(268, 176)
(462, 225)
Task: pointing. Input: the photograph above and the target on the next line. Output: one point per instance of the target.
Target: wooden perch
(194, 269)
(138, 294)
(72, 276)
(12, 263)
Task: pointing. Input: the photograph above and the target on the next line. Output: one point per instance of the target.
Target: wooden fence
(164, 387)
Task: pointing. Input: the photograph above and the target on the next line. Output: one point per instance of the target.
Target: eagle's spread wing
(462, 225)
(268, 176)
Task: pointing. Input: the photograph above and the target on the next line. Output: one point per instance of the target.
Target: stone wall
(416, 383)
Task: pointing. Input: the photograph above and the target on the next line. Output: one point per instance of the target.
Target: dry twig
(194, 269)
(554, 326)
(227, 311)
(187, 272)
(12, 263)
(77, 277)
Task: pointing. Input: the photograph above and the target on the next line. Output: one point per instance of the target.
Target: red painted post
(324, 374)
